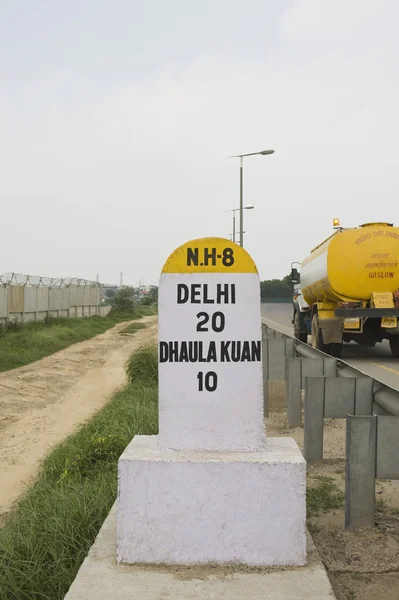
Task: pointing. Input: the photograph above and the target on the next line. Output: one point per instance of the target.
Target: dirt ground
(42, 403)
(362, 565)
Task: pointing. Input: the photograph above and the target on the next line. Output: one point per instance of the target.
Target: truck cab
(301, 309)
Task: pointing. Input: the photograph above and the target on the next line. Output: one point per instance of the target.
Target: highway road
(376, 362)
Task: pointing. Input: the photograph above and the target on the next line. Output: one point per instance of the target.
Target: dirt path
(362, 565)
(42, 403)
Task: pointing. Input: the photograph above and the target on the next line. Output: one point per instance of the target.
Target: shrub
(142, 366)
(124, 299)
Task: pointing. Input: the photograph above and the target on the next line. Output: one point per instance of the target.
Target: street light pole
(234, 210)
(241, 157)
(241, 202)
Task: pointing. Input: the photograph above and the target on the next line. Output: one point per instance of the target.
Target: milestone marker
(210, 346)
(208, 489)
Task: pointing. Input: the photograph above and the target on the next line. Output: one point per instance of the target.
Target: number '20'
(218, 321)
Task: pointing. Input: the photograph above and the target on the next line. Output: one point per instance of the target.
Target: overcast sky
(116, 119)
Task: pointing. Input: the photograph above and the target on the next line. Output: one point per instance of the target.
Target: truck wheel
(317, 336)
(394, 345)
(299, 335)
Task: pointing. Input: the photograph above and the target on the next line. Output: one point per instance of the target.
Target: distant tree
(110, 293)
(276, 288)
(124, 298)
(146, 301)
(153, 294)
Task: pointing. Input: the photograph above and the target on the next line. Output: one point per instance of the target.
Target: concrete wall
(30, 303)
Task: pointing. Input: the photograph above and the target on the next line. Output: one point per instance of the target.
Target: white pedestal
(198, 507)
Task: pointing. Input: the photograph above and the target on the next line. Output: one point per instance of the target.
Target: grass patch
(46, 537)
(385, 507)
(323, 496)
(133, 328)
(143, 366)
(22, 344)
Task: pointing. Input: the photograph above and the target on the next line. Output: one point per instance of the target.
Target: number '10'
(209, 381)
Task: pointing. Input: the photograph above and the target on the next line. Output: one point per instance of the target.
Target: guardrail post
(289, 347)
(363, 396)
(276, 359)
(330, 367)
(339, 397)
(311, 367)
(361, 435)
(313, 419)
(294, 416)
(387, 447)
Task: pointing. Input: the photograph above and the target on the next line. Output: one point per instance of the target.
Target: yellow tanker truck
(348, 289)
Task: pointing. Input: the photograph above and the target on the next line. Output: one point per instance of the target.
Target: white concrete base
(100, 578)
(195, 507)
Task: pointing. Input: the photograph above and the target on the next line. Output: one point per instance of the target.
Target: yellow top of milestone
(210, 255)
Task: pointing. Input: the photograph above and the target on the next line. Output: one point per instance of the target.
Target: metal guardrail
(370, 407)
(386, 398)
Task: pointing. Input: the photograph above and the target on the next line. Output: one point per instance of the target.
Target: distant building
(105, 288)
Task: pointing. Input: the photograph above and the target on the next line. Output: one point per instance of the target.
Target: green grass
(143, 365)
(26, 343)
(133, 328)
(323, 496)
(385, 507)
(46, 537)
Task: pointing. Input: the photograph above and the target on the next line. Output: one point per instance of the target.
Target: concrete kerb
(100, 577)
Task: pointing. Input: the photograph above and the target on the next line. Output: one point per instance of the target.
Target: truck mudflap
(331, 330)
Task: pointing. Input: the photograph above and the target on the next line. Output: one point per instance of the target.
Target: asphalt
(376, 362)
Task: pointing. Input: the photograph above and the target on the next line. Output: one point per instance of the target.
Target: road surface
(376, 362)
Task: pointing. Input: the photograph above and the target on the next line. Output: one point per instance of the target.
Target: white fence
(34, 303)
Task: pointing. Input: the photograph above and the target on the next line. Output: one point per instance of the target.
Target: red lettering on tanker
(380, 233)
(386, 233)
(363, 238)
(382, 275)
(380, 262)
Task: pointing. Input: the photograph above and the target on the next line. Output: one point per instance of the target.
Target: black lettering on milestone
(222, 291)
(183, 357)
(173, 351)
(201, 357)
(256, 351)
(193, 351)
(163, 352)
(236, 351)
(210, 255)
(246, 354)
(192, 257)
(206, 299)
(195, 293)
(212, 352)
(182, 293)
(224, 351)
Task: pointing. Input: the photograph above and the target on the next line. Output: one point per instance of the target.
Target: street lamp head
(252, 154)
(249, 207)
